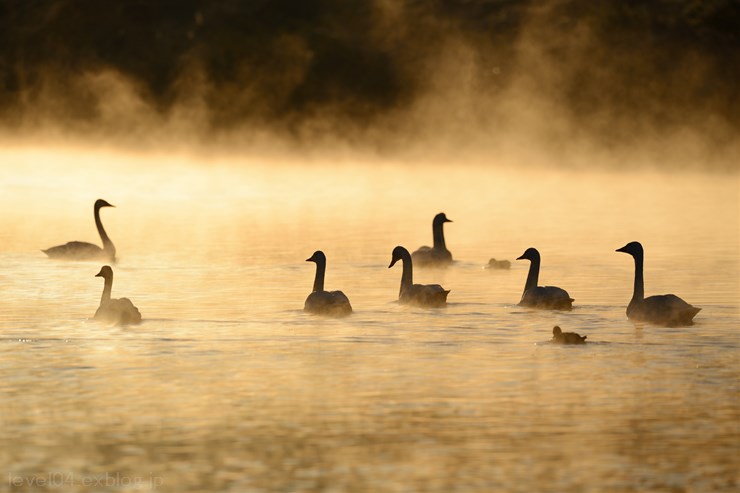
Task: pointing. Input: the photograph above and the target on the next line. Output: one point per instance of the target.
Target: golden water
(229, 386)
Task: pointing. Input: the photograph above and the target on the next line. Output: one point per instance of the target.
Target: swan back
(424, 295)
(332, 303)
(547, 298)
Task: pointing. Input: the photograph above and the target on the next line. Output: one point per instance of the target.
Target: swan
(664, 309)
(547, 297)
(498, 264)
(80, 250)
(438, 255)
(117, 311)
(560, 337)
(325, 302)
(428, 295)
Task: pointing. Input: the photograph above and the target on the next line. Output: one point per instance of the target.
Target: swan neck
(639, 290)
(107, 244)
(439, 236)
(107, 287)
(407, 278)
(318, 282)
(533, 275)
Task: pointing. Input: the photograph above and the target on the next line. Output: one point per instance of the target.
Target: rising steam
(480, 78)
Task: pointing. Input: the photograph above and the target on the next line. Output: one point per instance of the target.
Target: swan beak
(621, 249)
(521, 258)
(448, 220)
(99, 274)
(393, 262)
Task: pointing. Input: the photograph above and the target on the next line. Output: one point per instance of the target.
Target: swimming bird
(438, 255)
(544, 297)
(427, 295)
(80, 250)
(665, 309)
(560, 337)
(117, 311)
(498, 264)
(322, 302)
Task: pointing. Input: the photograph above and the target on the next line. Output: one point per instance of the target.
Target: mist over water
(228, 384)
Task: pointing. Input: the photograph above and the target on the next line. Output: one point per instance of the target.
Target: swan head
(441, 219)
(557, 331)
(102, 203)
(530, 254)
(634, 248)
(398, 254)
(318, 256)
(105, 272)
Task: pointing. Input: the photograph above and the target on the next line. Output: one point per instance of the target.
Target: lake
(228, 385)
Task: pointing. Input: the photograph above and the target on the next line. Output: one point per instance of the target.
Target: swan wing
(118, 311)
(328, 303)
(667, 309)
(76, 250)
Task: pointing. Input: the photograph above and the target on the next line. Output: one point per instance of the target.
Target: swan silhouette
(664, 309)
(438, 255)
(560, 337)
(323, 302)
(544, 297)
(80, 250)
(426, 295)
(116, 311)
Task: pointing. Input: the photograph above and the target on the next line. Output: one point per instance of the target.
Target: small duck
(560, 337)
(497, 264)
(116, 311)
(666, 309)
(425, 295)
(543, 297)
(333, 303)
(438, 255)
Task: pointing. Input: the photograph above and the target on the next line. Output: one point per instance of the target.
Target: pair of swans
(667, 309)
(336, 303)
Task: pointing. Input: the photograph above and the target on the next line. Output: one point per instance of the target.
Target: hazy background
(653, 81)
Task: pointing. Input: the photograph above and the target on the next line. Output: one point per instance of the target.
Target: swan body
(80, 250)
(116, 311)
(498, 264)
(437, 255)
(334, 303)
(425, 295)
(543, 297)
(666, 309)
(560, 337)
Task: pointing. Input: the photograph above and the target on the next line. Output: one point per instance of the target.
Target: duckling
(497, 264)
(560, 337)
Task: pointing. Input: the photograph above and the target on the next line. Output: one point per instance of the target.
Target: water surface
(229, 386)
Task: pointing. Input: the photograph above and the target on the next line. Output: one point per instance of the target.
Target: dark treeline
(281, 63)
